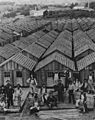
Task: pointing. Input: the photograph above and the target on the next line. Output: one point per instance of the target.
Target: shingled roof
(86, 61)
(56, 57)
(21, 60)
(8, 50)
(84, 48)
(35, 50)
(61, 44)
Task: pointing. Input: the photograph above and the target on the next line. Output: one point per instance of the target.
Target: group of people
(59, 91)
(41, 96)
(7, 94)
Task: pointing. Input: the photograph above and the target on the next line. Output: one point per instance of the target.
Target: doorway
(7, 76)
(19, 78)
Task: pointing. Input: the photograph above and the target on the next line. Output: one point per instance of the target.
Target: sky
(46, 1)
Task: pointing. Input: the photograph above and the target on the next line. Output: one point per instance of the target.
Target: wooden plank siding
(12, 67)
(51, 67)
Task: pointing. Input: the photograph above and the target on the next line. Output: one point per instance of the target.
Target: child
(2, 104)
(35, 107)
(51, 100)
(82, 102)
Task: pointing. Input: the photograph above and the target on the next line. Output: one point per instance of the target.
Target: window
(62, 74)
(50, 74)
(6, 74)
(18, 74)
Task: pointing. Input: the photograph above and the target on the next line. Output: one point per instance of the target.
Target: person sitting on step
(51, 100)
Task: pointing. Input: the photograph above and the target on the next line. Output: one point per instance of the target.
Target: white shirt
(71, 86)
(2, 104)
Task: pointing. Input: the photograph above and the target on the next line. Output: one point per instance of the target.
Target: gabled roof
(84, 48)
(35, 50)
(80, 39)
(26, 41)
(84, 62)
(56, 57)
(45, 41)
(75, 25)
(91, 34)
(68, 26)
(38, 34)
(21, 60)
(53, 33)
(21, 44)
(66, 35)
(60, 44)
(8, 50)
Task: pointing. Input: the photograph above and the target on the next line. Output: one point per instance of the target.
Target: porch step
(60, 106)
(60, 114)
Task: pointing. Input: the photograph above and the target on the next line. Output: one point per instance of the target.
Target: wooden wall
(89, 70)
(52, 67)
(12, 67)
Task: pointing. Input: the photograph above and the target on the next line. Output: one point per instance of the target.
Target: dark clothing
(60, 89)
(10, 101)
(51, 101)
(9, 90)
(55, 88)
(84, 88)
(34, 110)
(9, 94)
(71, 96)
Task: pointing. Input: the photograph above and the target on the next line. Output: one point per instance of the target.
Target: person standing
(32, 84)
(9, 93)
(77, 85)
(18, 93)
(60, 89)
(71, 92)
(2, 92)
(84, 87)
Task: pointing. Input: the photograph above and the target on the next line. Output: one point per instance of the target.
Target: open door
(19, 78)
(7, 76)
(62, 77)
(50, 79)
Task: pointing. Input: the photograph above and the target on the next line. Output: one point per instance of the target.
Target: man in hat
(9, 93)
(60, 89)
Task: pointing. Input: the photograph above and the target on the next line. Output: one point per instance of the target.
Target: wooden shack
(55, 64)
(17, 69)
(7, 51)
(86, 67)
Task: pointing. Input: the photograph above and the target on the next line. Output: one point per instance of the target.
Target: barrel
(77, 95)
(90, 101)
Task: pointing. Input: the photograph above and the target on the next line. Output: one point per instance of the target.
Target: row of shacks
(12, 31)
(67, 50)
